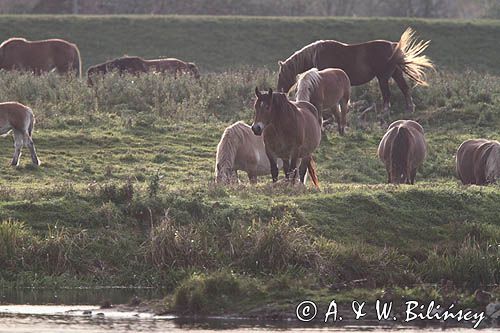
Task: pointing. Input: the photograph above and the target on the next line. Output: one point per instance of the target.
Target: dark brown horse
(173, 66)
(19, 119)
(362, 62)
(403, 149)
(40, 56)
(478, 161)
(329, 91)
(292, 131)
(131, 65)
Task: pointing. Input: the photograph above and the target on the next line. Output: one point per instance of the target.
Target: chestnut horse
(478, 161)
(40, 56)
(362, 62)
(19, 119)
(328, 90)
(132, 65)
(403, 149)
(173, 66)
(291, 130)
(240, 149)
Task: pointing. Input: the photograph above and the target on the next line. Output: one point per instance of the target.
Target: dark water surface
(78, 310)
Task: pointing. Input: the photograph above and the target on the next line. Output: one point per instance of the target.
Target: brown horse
(40, 56)
(292, 131)
(127, 64)
(403, 149)
(19, 119)
(362, 62)
(328, 90)
(478, 161)
(173, 66)
(240, 149)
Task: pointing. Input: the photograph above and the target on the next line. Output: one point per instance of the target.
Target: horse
(240, 149)
(173, 66)
(402, 150)
(126, 64)
(18, 118)
(478, 161)
(328, 89)
(291, 130)
(40, 56)
(362, 62)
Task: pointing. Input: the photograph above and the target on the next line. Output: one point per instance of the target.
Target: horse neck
(285, 120)
(297, 64)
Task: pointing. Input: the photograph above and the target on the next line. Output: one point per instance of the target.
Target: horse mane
(307, 83)
(492, 167)
(281, 102)
(229, 144)
(13, 39)
(300, 59)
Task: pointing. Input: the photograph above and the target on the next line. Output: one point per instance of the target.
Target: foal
(20, 119)
(328, 90)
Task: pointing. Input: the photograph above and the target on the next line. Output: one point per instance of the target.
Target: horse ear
(270, 92)
(257, 92)
(280, 63)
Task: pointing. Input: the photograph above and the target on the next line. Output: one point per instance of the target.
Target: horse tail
(32, 122)
(407, 55)
(77, 62)
(400, 153)
(311, 168)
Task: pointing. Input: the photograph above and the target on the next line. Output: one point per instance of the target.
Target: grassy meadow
(125, 192)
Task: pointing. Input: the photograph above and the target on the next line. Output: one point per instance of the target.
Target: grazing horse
(40, 56)
(403, 149)
(478, 161)
(173, 66)
(362, 62)
(19, 119)
(240, 149)
(291, 130)
(329, 89)
(132, 65)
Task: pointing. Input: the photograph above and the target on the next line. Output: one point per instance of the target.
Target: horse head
(262, 108)
(194, 70)
(225, 174)
(286, 78)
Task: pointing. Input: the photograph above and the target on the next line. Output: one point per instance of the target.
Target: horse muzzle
(257, 128)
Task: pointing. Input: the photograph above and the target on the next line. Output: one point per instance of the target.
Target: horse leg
(18, 144)
(405, 89)
(344, 109)
(252, 178)
(28, 141)
(286, 168)
(303, 169)
(294, 163)
(389, 178)
(274, 166)
(383, 83)
(413, 175)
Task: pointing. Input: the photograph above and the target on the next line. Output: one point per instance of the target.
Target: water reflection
(115, 295)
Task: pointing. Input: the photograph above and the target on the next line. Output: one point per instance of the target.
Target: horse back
(468, 160)
(361, 62)
(14, 115)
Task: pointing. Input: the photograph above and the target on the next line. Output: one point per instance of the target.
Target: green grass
(125, 192)
(218, 43)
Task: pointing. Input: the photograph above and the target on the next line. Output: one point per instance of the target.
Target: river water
(68, 310)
